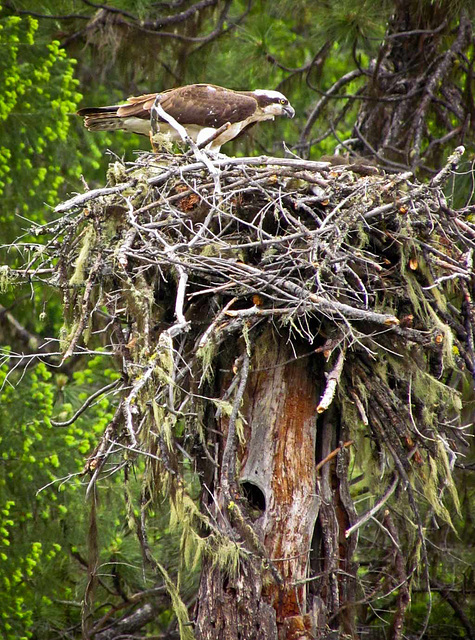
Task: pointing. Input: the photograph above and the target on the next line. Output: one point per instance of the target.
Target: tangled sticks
(370, 274)
(368, 261)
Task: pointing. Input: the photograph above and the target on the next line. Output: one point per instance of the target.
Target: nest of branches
(354, 262)
(177, 265)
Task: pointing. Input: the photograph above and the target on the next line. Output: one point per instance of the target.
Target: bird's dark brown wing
(207, 105)
(204, 105)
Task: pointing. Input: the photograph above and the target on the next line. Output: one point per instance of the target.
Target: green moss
(206, 355)
(88, 244)
(6, 278)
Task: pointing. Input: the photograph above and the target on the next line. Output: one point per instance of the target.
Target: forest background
(59, 55)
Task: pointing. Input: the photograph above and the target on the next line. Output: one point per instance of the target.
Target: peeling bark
(297, 513)
(278, 476)
(280, 460)
(233, 608)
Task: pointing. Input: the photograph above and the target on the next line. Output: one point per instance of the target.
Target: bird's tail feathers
(90, 111)
(101, 118)
(103, 122)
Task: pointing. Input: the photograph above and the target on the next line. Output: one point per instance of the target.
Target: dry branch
(332, 383)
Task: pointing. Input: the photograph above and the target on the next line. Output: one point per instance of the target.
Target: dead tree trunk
(278, 507)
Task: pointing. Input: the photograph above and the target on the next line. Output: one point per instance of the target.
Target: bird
(202, 109)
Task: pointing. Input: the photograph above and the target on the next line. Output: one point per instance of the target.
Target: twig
(158, 112)
(346, 79)
(130, 399)
(458, 608)
(360, 407)
(333, 454)
(95, 462)
(214, 135)
(379, 504)
(403, 595)
(86, 404)
(229, 455)
(332, 383)
(84, 309)
(452, 163)
(82, 198)
(245, 161)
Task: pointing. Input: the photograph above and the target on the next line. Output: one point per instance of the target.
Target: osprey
(201, 108)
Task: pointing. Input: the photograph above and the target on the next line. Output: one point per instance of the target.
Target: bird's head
(273, 103)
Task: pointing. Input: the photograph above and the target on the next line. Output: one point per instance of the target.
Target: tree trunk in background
(416, 88)
(299, 518)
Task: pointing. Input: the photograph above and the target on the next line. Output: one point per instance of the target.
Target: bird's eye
(283, 101)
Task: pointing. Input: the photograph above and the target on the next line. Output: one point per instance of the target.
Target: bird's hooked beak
(289, 111)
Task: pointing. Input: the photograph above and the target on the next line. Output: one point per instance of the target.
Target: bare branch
(332, 383)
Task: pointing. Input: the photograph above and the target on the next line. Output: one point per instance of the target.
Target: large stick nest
(349, 259)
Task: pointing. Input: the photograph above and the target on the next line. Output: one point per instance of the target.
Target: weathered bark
(232, 608)
(279, 478)
(332, 551)
(298, 516)
(280, 461)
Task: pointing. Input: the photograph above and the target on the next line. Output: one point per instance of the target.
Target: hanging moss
(206, 354)
(88, 245)
(6, 278)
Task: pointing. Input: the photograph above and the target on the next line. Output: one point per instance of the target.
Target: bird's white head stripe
(269, 93)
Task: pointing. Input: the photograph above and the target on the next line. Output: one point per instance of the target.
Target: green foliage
(349, 23)
(41, 515)
(39, 93)
(41, 135)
